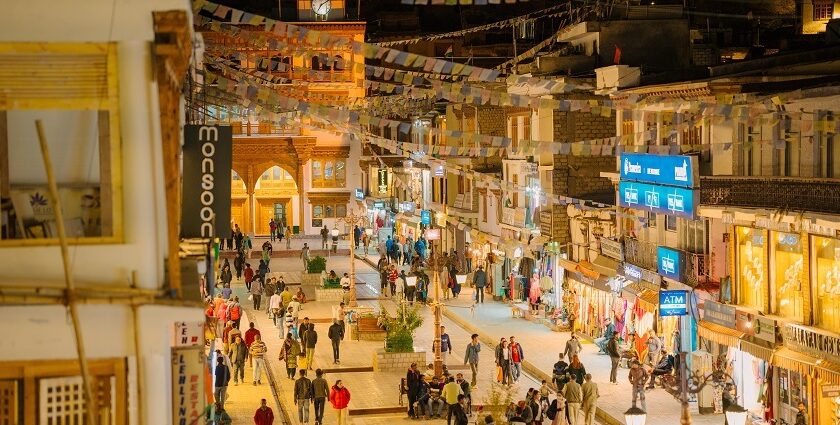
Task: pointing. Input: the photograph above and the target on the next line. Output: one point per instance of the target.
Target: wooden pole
(68, 277)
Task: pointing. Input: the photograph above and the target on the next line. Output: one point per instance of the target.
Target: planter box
(367, 330)
(336, 295)
(310, 279)
(396, 362)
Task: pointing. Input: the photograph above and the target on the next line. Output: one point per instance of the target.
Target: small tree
(497, 400)
(316, 265)
(401, 328)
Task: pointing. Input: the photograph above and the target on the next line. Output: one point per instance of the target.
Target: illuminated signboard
(669, 262)
(673, 303)
(669, 170)
(658, 199)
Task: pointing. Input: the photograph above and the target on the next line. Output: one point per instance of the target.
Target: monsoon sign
(673, 303)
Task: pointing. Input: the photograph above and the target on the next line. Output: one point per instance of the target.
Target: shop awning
(719, 334)
(605, 265)
(757, 350)
(789, 359)
(648, 299)
(829, 372)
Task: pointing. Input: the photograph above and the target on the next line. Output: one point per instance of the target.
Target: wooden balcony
(786, 193)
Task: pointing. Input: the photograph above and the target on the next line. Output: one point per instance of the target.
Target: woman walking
(290, 353)
(576, 369)
(340, 398)
(503, 361)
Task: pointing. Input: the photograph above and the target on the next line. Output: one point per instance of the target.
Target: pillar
(301, 202)
(250, 212)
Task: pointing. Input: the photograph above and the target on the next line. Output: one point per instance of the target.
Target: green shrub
(400, 328)
(316, 264)
(332, 284)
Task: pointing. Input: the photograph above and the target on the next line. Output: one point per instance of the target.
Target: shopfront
(825, 278)
(751, 271)
(751, 365)
(635, 309)
(591, 300)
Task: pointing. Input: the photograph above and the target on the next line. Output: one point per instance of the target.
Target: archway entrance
(238, 202)
(275, 197)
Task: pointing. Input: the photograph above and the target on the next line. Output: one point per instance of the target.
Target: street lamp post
(436, 263)
(352, 218)
(693, 384)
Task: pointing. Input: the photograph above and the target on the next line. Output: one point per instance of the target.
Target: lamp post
(694, 383)
(354, 219)
(436, 263)
(635, 416)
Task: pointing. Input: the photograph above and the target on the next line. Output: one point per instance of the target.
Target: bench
(367, 328)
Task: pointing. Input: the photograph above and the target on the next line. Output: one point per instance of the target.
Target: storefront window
(788, 261)
(826, 282)
(791, 389)
(751, 267)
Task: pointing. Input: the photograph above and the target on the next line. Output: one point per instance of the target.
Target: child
(544, 391)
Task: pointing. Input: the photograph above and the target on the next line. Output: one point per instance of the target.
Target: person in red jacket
(263, 415)
(340, 398)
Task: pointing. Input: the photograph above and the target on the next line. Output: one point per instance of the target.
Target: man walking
(310, 338)
(445, 344)
(258, 350)
(516, 357)
(239, 352)
(480, 281)
(450, 394)
(256, 293)
(304, 255)
(250, 335)
(637, 377)
(222, 378)
(590, 399)
(471, 356)
(303, 393)
(272, 228)
(264, 415)
(335, 334)
(615, 356)
(573, 347)
(325, 233)
(320, 392)
(573, 394)
(413, 382)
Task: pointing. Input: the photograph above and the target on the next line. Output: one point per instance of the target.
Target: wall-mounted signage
(382, 180)
(188, 368)
(659, 199)
(821, 345)
(612, 249)
(426, 217)
(188, 334)
(379, 205)
(439, 171)
(407, 206)
(764, 329)
(669, 170)
(669, 262)
(673, 303)
(208, 157)
(432, 234)
(360, 194)
(830, 391)
(632, 272)
(719, 314)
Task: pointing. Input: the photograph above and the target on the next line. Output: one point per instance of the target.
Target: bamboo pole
(68, 277)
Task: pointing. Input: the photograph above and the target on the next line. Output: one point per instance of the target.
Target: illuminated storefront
(751, 267)
(825, 253)
(787, 275)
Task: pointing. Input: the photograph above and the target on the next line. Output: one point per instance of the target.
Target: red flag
(617, 55)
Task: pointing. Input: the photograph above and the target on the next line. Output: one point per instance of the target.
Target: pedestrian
(401, 284)
(222, 378)
(466, 388)
(461, 411)
(257, 351)
(654, 346)
(302, 328)
(450, 393)
(310, 339)
(320, 392)
(340, 399)
(264, 415)
(336, 335)
(303, 395)
(256, 293)
(558, 373)
(573, 393)
(239, 352)
(304, 255)
(289, 238)
(220, 416)
(234, 312)
(516, 358)
(289, 354)
(503, 362)
(250, 336)
(275, 307)
(272, 229)
(247, 245)
(615, 357)
(393, 274)
(557, 411)
(471, 357)
(637, 377)
(445, 344)
(573, 346)
(268, 290)
(239, 263)
(590, 399)
(248, 274)
(576, 369)
(609, 330)
(480, 282)
(544, 391)
(801, 414)
(413, 382)
(226, 276)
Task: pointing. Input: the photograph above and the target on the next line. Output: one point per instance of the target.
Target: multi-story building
(106, 87)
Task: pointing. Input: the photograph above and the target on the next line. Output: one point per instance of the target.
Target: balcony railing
(791, 193)
(262, 129)
(639, 253)
(695, 269)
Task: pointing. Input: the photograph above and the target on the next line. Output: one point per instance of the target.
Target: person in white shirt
(294, 306)
(275, 304)
(345, 282)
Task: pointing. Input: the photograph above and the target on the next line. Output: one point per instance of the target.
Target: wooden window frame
(323, 181)
(823, 10)
(108, 108)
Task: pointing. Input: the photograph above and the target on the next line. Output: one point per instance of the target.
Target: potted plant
(401, 328)
(314, 268)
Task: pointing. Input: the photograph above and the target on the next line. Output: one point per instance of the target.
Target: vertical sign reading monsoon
(208, 157)
(188, 365)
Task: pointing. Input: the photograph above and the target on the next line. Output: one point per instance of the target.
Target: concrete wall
(634, 38)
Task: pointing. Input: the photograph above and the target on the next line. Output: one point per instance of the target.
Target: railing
(639, 253)
(785, 193)
(697, 269)
(263, 129)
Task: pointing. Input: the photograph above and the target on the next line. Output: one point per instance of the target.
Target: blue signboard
(659, 199)
(673, 303)
(669, 262)
(670, 170)
(426, 217)
(360, 194)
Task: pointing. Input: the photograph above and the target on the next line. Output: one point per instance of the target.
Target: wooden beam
(5, 185)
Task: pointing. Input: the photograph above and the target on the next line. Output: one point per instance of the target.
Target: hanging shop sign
(669, 262)
(669, 170)
(205, 206)
(360, 194)
(673, 303)
(383, 180)
(812, 342)
(426, 217)
(612, 249)
(659, 199)
(188, 366)
(764, 329)
(632, 272)
(638, 274)
(719, 314)
(188, 334)
(379, 205)
(439, 171)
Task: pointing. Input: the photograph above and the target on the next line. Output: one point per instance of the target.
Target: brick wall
(492, 121)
